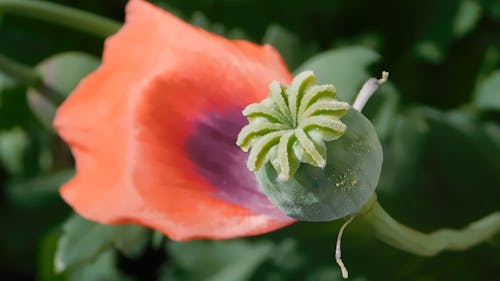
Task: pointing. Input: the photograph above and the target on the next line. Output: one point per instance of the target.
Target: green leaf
(465, 163)
(234, 260)
(346, 68)
(5, 83)
(102, 268)
(286, 255)
(437, 159)
(472, 141)
(60, 74)
(403, 151)
(468, 15)
(201, 20)
(82, 241)
(384, 105)
(157, 239)
(13, 144)
(488, 94)
(430, 51)
(288, 44)
(339, 189)
(446, 22)
(47, 249)
(437, 31)
(30, 192)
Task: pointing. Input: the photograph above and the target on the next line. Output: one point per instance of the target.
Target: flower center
(292, 125)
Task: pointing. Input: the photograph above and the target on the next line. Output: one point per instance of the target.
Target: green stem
(65, 16)
(23, 74)
(393, 233)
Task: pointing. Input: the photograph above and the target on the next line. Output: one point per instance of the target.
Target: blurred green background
(438, 120)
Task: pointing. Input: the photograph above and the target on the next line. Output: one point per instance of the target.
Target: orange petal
(149, 130)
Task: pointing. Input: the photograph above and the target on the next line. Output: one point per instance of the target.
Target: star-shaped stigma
(292, 125)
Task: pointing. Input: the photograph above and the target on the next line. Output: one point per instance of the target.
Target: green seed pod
(315, 157)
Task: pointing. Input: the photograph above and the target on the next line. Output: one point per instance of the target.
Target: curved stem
(397, 235)
(19, 72)
(65, 16)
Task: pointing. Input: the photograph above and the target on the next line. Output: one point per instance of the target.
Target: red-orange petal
(151, 130)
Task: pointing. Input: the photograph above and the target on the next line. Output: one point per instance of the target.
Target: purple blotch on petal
(212, 147)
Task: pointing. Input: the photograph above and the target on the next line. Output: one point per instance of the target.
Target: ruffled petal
(153, 130)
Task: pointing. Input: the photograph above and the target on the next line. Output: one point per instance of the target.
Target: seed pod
(316, 158)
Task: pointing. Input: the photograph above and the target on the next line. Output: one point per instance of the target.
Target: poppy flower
(153, 130)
